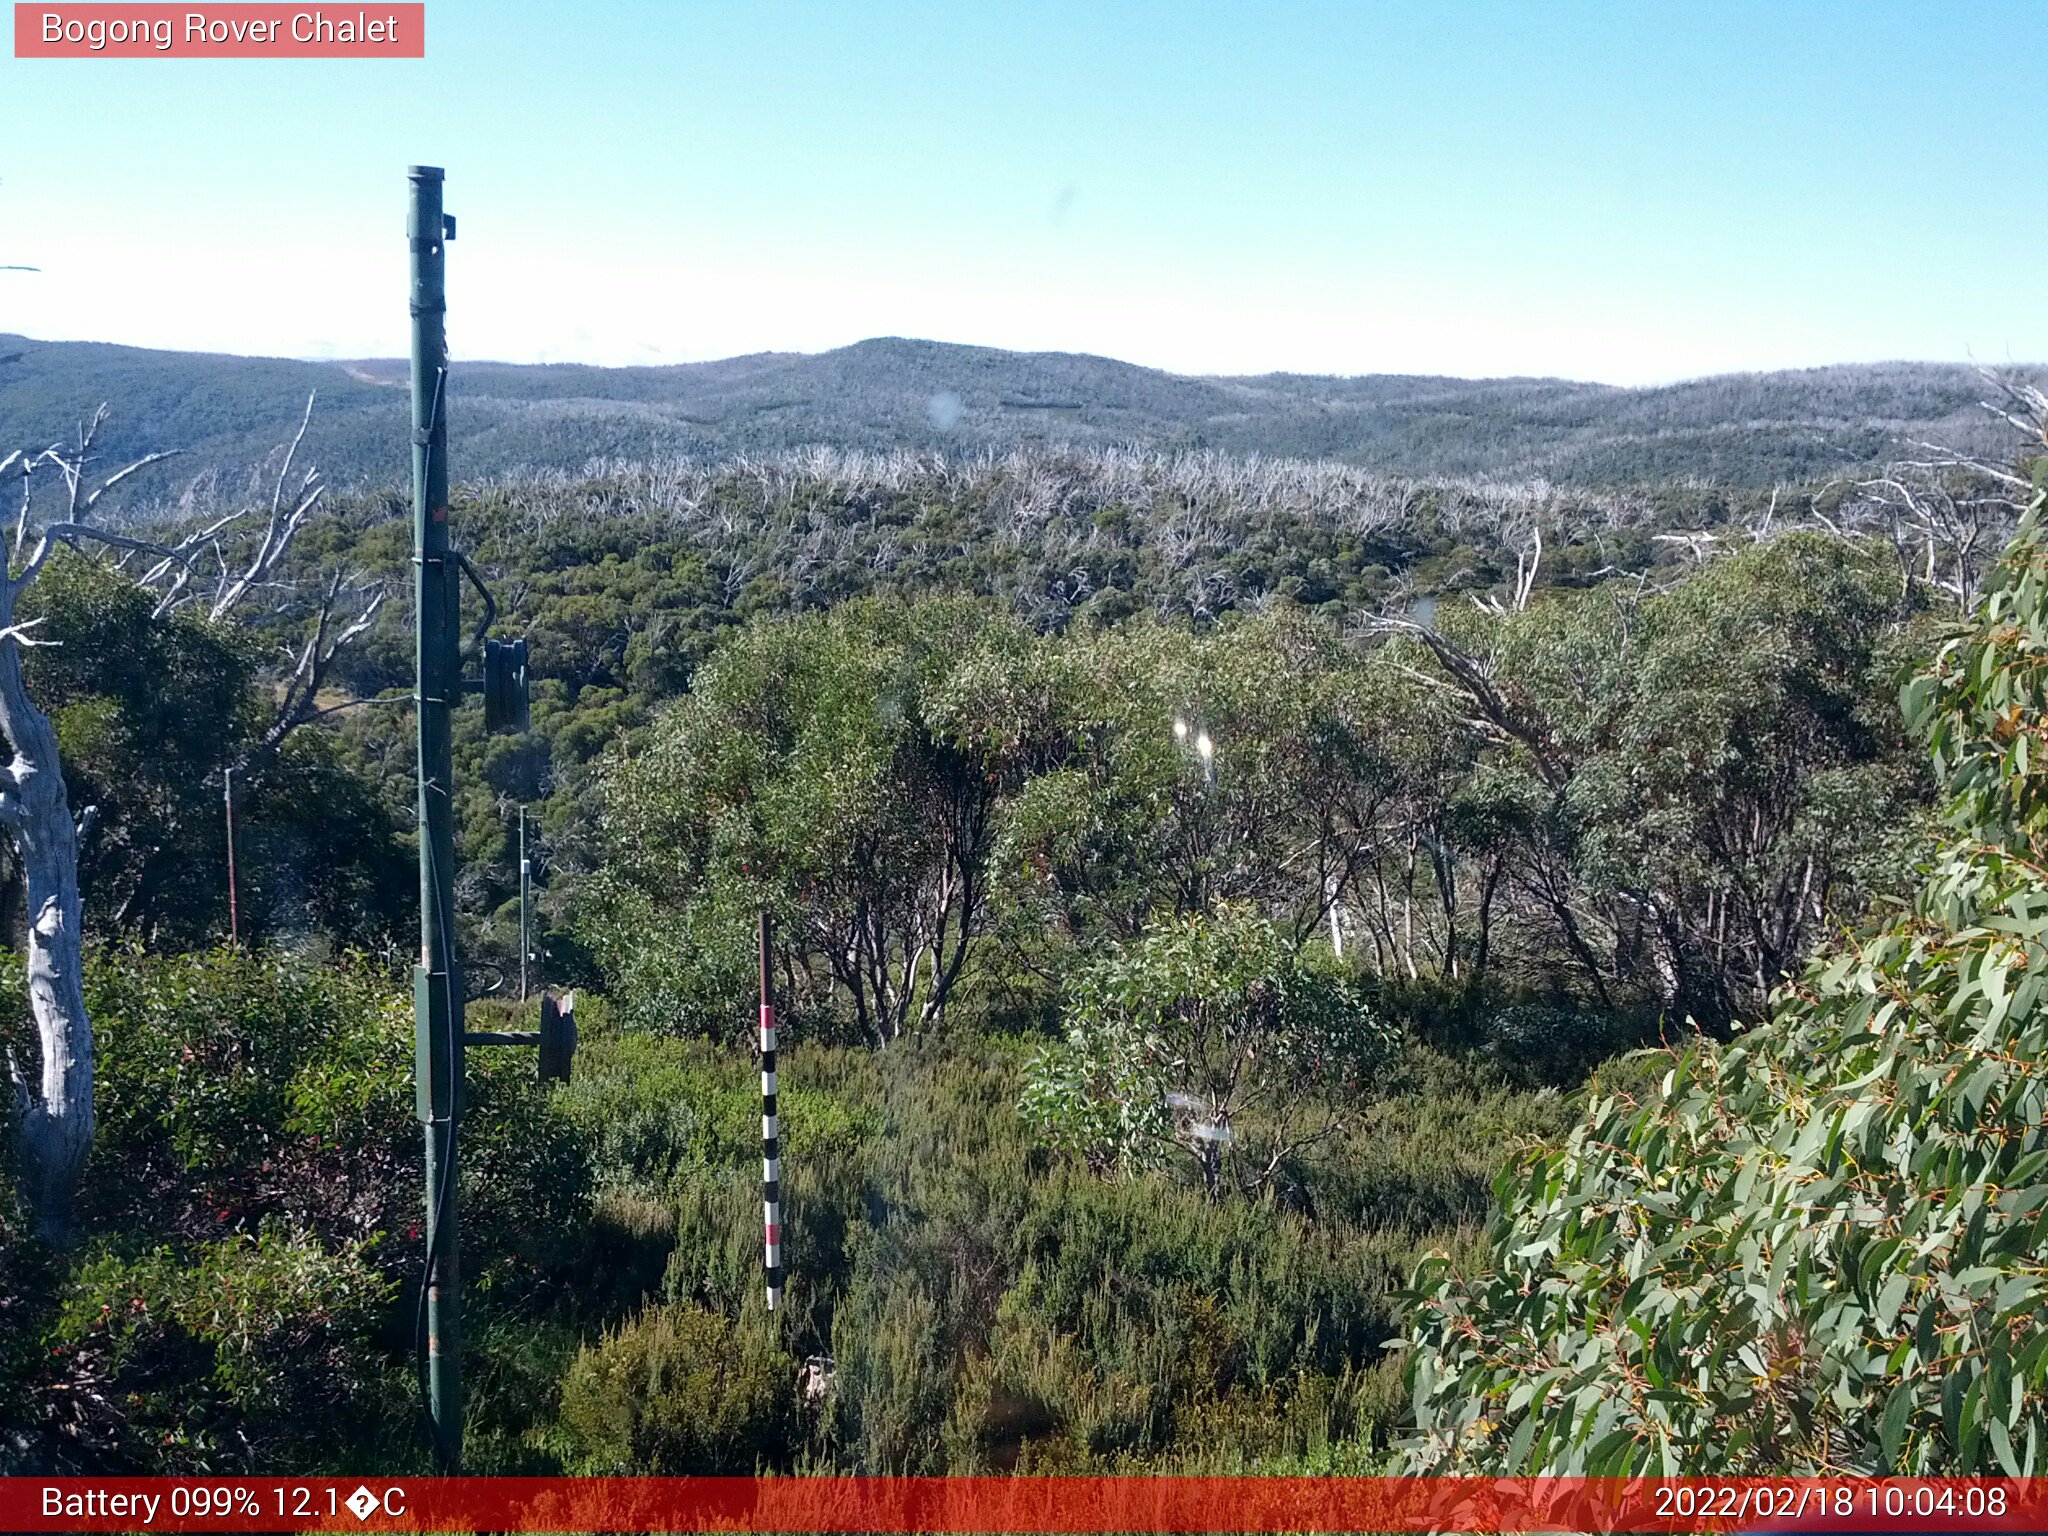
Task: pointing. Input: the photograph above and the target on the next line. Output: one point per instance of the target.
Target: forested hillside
(1198, 878)
(1752, 430)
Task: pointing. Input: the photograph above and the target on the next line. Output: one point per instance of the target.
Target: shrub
(238, 1087)
(235, 1085)
(27, 1302)
(258, 1143)
(651, 1108)
(1555, 1043)
(1209, 1035)
(681, 1391)
(250, 1352)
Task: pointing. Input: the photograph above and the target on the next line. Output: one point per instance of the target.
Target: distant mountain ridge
(228, 413)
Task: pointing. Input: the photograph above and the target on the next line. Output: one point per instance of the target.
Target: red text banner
(1024, 1504)
(236, 31)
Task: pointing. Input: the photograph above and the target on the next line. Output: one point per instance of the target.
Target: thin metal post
(525, 899)
(227, 794)
(437, 985)
(771, 1130)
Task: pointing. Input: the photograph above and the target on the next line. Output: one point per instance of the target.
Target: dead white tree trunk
(53, 1105)
(53, 1114)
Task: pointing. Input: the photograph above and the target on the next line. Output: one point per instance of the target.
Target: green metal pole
(437, 985)
(525, 897)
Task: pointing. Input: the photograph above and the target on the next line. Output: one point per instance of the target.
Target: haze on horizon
(1608, 192)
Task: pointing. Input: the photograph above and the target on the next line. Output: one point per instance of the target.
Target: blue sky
(1626, 192)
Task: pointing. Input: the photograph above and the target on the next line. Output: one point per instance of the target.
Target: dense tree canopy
(1653, 801)
(626, 580)
(1818, 1247)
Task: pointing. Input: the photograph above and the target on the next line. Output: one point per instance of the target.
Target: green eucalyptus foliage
(1659, 804)
(145, 709)
(1209, 1036)
(627, 581)
(1822, 1246)
(1700, 782)
(1305, 744)
(149, 711)
(817, 770)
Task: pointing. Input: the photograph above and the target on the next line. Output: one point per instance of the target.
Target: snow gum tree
(212, 569)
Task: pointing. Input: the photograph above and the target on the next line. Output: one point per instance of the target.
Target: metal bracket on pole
(556, 1036)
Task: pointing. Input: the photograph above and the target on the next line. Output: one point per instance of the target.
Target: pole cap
(425, 172)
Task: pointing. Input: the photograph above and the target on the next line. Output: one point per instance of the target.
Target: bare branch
(348, 704)
(292, 452)
(19, 633)
(1498, 711)
(19, 456)
(122, 474)
(73, 465)
(70, 533)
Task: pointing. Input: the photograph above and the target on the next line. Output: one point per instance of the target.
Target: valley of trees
(1199, 879)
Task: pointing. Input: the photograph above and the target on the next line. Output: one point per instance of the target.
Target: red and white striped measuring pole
(771, 1137)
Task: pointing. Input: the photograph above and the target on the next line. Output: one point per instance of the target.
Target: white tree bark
(53, 1104)
(53, 1100)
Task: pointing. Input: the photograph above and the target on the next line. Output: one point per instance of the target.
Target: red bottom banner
(1024, 1504)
